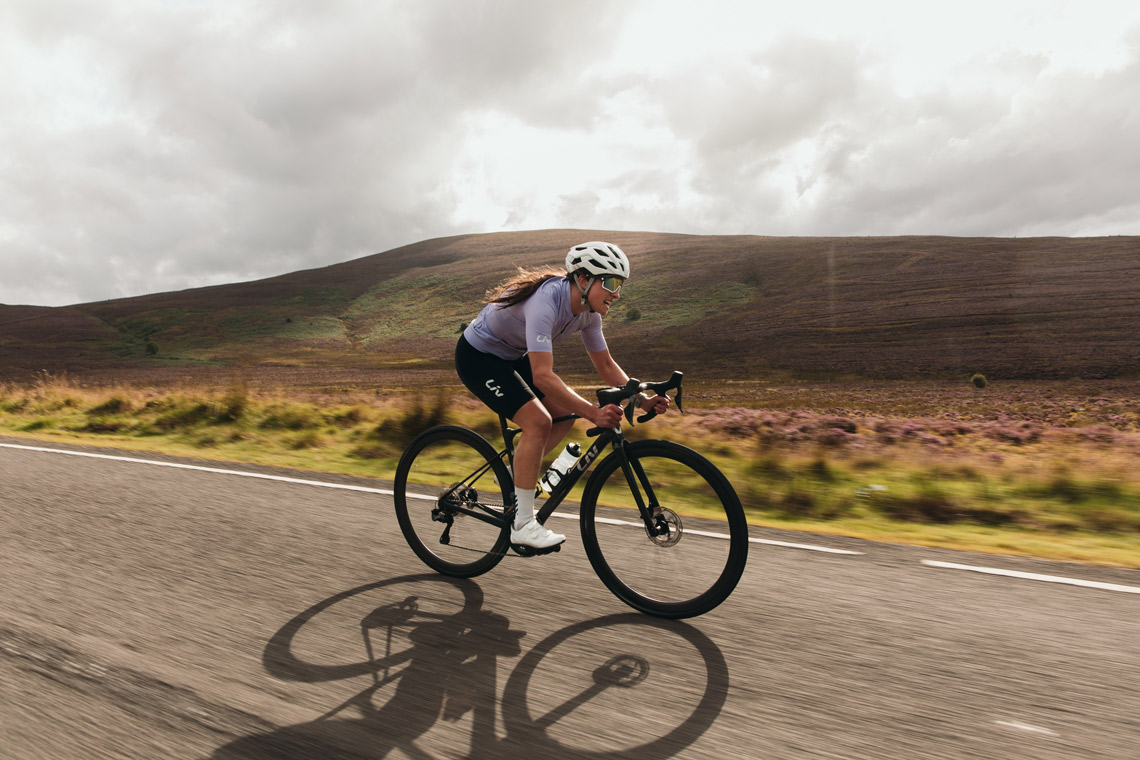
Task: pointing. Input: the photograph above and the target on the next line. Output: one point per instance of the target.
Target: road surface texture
(159, 612)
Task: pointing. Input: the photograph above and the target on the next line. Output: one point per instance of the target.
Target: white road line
(1026, 727)
(808, 547)
(381, 491)
(199, 468)
(1036, 577)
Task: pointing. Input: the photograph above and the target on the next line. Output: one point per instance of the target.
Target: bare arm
(542, 370)
(607, 368)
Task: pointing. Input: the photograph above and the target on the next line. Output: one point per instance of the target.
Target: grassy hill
(730, 305)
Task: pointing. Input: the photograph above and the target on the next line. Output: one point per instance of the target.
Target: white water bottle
(560, 467)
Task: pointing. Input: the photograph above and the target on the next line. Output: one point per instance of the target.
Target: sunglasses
(612, 284)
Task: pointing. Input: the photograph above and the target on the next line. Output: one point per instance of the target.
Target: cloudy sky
(151, 145)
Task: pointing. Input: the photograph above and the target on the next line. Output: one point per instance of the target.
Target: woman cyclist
(506, 358)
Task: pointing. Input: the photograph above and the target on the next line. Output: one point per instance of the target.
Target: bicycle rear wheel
(452, 492)
(699, 546)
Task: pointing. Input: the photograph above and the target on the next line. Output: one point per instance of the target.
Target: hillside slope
(732, 305)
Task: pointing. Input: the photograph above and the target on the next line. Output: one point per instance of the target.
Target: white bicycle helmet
(599, 259)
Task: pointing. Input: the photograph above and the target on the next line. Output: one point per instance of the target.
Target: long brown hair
(522, 286)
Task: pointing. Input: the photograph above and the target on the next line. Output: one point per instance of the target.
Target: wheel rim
(441, 480)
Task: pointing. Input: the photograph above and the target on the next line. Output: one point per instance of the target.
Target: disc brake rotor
(667, 524)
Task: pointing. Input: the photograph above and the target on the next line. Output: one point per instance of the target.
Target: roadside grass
(1031, 485)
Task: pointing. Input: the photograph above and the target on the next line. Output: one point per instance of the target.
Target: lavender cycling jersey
(535, 324)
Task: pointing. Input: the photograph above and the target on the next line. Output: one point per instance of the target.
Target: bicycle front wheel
(452, 493)
(690, 554)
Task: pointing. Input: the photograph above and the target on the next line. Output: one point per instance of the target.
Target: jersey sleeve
(540, 316)
(592, 334)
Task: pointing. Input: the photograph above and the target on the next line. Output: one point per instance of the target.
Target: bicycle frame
(613, 437)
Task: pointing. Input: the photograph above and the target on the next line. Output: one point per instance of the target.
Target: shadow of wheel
(629, 675)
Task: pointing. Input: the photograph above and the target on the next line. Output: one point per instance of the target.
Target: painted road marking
(1036, 577)
(199, 468)
(808, 547)
(365, 489)
(1026, 727)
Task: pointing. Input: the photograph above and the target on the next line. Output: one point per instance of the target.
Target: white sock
(524, 500)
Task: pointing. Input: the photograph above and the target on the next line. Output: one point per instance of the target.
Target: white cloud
(160, 146)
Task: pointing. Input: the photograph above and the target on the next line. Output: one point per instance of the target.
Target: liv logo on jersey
(491, 386)
(544, 339)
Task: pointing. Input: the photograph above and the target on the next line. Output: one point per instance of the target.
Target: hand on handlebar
(608, 416)
(612, 398)
(655, 404)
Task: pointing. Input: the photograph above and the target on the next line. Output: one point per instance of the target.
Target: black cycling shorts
(505, 386)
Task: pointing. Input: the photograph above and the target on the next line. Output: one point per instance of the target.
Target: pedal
(530, 551)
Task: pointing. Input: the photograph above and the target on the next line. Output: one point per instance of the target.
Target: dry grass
(1039, 469)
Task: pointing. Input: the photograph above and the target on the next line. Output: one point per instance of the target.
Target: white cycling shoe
(535, 536)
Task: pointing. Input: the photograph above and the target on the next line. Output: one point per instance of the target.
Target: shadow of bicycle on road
(620, 686)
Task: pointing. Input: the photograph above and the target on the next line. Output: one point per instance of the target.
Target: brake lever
(674, 383)
(633, 387)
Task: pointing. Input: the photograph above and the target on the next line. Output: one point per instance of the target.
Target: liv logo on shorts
(491, 386)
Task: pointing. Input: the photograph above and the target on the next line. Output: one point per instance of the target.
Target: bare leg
(558, 430)
(534, 420)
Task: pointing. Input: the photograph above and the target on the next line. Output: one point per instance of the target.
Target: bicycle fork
(651, 514)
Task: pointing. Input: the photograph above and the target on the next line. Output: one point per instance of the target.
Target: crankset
(461, 495)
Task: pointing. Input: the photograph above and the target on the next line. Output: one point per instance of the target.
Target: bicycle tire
(686, 572)
(434, 462)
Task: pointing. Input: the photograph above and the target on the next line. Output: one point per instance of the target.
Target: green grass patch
(291, 416)
(113, 405)
(667, 304)
(182, 413)
(411, 307)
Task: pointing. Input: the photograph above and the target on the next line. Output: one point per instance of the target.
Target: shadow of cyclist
(446, 667)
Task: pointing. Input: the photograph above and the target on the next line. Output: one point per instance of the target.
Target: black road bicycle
(455, 501)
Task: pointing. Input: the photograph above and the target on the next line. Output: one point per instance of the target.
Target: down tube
(573, 475)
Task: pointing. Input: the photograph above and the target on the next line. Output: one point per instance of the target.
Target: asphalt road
(160, 612)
